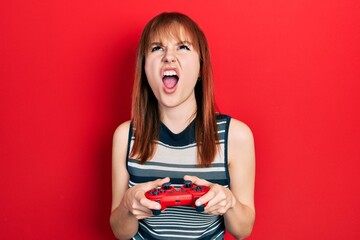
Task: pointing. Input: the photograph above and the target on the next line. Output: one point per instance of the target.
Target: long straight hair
(145, 111)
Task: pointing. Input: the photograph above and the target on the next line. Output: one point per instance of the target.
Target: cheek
(193, 70)
(147, 67)
(195, 65)
(149, 70)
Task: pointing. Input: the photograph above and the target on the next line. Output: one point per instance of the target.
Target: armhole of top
(129, 144)
(228, 119)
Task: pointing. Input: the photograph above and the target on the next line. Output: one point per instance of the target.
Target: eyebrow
(156, 44)
(184, 42)
(179, 43)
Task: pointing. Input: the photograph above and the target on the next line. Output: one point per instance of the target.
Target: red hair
(145, 112)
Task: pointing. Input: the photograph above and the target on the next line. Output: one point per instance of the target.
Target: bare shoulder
(120, 142)
(239, 132)
(122, 131)
(240, 143)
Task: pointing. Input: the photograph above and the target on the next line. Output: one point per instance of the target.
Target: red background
(289, 69)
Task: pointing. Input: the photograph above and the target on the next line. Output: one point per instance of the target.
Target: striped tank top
(176, 156)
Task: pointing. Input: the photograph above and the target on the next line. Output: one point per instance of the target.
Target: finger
(221, 202)
(141, 214)
(215, 195)
(196, 180)
(137, 203)
(154, 184)
(141, 211)
(216, 210)
(160, 182)
(149, 204)
(219, 208)
(206, 198)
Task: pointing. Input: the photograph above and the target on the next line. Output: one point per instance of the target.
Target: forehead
(173, 31)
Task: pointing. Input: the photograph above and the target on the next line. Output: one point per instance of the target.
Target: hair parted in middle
(145, 112)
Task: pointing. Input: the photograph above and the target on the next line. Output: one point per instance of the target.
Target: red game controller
(169, 196)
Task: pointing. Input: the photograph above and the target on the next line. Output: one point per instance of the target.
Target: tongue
(170, 82)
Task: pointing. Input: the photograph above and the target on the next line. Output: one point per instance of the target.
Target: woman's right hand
(136, 202)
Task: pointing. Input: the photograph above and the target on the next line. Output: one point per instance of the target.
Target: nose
(169, 56)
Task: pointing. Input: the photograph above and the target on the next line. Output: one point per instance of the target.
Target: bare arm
(239, 219)
(123, 223)
(128, 204)
(237, 204)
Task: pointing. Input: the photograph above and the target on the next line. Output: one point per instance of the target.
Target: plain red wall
(289, 69)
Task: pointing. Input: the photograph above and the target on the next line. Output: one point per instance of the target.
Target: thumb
(197, 181)
(159, 182)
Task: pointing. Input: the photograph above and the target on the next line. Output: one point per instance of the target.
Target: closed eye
(184, 47)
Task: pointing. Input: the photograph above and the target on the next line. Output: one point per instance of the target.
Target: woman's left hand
(219, 199)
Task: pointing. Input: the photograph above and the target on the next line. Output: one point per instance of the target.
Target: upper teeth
(170, 73)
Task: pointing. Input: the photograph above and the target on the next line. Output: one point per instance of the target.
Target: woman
(176, 135)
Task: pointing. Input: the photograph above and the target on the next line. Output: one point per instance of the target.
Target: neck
(178, 118)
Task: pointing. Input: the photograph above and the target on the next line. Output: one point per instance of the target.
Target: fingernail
(197, 203)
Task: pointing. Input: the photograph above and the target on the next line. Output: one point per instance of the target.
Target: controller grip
(200, 208)
(156, 212)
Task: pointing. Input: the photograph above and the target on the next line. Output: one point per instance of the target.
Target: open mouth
(170, 79)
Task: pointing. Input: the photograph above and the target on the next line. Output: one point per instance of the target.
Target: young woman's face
(172, 68)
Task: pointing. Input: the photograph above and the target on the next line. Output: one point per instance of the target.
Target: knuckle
(141, 201)
(133, 206)
(222, 211)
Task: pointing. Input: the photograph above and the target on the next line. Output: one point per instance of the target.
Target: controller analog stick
(187, 183)
(166, 185)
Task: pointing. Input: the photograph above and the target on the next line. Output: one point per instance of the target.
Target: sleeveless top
(176, 156)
